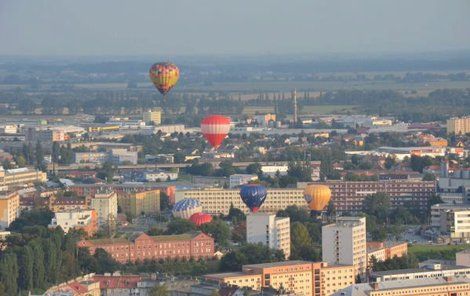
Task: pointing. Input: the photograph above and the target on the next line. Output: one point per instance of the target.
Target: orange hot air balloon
(215, 128)
(164, 76)
(317, 196)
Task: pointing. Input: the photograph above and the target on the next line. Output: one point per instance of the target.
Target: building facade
(85, 220)
(140, 203)
(452, 220)
(9, 208)
(382, 251)
(419, 287)
(145, 247)
(344, 242)
(349, 196)
(153, 116)
(106, 206)
(298, 277)
(458, 125)
(21, 177)
(269, 230)
(218, 201)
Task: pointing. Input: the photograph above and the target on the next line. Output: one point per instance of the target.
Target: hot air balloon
(186, 207)
(200, 218)
(215, 128)
(317, 196)
(253, 195)
(164, 76)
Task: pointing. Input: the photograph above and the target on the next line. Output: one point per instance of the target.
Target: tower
(294, 96)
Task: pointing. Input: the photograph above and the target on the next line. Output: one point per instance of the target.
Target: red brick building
(184, 246)
(348, 196)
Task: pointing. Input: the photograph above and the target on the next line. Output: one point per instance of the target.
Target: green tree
(9, 273)
(300, 239)
(218, 229)
(377, 205)
(39, 272)
(159, 290)
(25, 263)
(254, 168)
(179, 226)
(40, 157)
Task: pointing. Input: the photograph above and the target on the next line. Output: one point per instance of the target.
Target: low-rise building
(160, 176)
(452, 220)
(417, 287)
(382, 251)
(241, 179)
(21, 177)
(85, 220)
(9, 208)
(67, 204)
(435, 270)
(299, 277)
(144, 247)
(269, 230)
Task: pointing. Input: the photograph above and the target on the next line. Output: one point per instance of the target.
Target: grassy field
(446, 252)
(252, 110)
(328, 109)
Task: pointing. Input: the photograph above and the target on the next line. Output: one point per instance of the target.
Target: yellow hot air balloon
(317, 196)
(164, 76)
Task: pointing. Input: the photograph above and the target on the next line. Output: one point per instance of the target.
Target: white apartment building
(452, 220)
(344, 242)
(73, 219)
(241, 179)
(272, 170)
(217, 201)
(152, 116)
(429, 271)
(160, 176)
(458, 125)
(269, 230)
(106, 206)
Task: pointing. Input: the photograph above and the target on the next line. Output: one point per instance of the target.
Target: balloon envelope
(186, 207)
(200, 218)
(317, 196)
(215, 128)
(253, 195)
(164, 76)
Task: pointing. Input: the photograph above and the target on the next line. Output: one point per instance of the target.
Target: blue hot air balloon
(186, 207)
(253, 195)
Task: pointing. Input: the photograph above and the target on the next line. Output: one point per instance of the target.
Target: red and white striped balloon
(215, 128)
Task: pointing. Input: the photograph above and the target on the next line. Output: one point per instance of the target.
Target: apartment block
(382, 251)
(106, 206)
(218, 201)
(21, 176)
(9, 208)
(344, 242)
(298, 277)
(144, 247)
(349, 196)
(269, 230)
(140, 203)
(153, 116)
(458, 125)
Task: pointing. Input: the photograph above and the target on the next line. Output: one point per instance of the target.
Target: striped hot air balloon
(185, 208)
(164, 76)
(215, 128)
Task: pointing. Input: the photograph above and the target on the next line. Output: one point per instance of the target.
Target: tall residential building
(269, 230)
(153, 116)
(138, 203)
(344, 242)
(299, 277)
(218, 201)
(9, 208)
(106, 206)
(452, 220)
(458, 125)
(144, 247)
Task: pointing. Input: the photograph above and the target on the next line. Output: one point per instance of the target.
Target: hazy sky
(134, 27)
